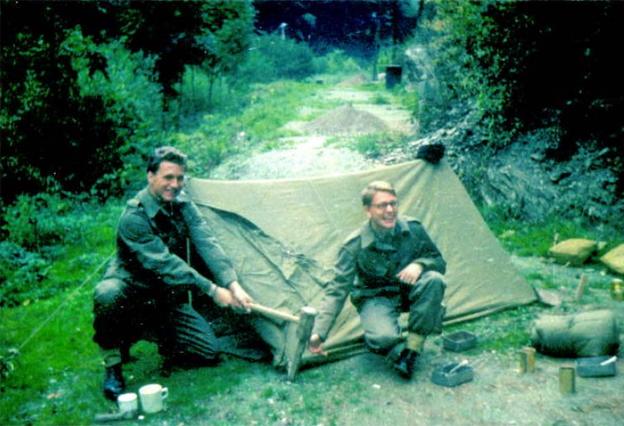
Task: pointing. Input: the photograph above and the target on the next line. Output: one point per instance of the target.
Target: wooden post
(580, 289)
(304, 330)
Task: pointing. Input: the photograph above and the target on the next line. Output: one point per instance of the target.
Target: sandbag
(584, 334)
(614, 259)
(574, 251)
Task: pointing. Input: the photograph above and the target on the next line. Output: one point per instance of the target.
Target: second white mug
(128, 402)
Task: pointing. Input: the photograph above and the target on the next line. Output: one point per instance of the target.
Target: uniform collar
(368, 236)
(152, 205)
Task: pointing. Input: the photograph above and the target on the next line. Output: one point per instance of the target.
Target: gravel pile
(346, 120)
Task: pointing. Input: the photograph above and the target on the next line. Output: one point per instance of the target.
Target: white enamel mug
(128, 402)
(152, 397)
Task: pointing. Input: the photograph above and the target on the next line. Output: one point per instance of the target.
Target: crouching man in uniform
(388, 266)
(144, 292)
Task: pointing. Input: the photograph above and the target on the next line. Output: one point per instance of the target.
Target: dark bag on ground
(583, 334)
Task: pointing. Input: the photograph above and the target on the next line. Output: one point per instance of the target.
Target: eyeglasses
(384, 206)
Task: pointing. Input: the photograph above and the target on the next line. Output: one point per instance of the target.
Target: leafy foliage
(51, 241)
(273, 57)
(226, 37)
(77, 106)
(37, 221)
(134, 105)
(43, 121)
(532, 64)
(21, 271)
(337, 64)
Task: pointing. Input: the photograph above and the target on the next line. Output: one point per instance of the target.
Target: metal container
(452, 374)
(596, 366)
(459, 341)
(567, 379)
(617, 289)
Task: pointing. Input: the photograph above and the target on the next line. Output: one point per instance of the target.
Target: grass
(58, 373)
(535, 239)
(376, 144)
(257, 127)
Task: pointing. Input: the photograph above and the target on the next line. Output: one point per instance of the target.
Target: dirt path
(308, 154)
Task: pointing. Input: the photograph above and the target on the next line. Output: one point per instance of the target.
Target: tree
(52, 130)
(226, 37)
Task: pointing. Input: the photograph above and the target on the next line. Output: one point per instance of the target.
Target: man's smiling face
(383, 210)
(167, 182)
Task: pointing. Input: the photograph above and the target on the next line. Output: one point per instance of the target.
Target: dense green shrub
(85, 84)
(272, 57)
(337, 63)
(21, 271)
(535, 64)
(134, 105)
(474, 56)
(35, 221)
(51, 242)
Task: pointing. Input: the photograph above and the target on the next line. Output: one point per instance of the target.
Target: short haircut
(165, 153)
(372, 188)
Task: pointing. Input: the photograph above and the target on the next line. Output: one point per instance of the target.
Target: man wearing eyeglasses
(144, 290)
(388, 266)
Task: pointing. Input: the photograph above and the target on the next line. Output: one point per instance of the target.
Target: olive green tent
(284, 235)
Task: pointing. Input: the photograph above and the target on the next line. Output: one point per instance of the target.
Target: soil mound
(346, 120)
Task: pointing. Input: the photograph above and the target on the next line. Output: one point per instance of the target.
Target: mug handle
(165, 393)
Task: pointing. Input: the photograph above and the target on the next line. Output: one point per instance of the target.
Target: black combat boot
(114, 383)
(405, 364)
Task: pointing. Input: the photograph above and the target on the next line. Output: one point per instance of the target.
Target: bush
(52, 241)
(337, 63)
(134, 106)
(21, 272)
(34, 221)
(272, 58)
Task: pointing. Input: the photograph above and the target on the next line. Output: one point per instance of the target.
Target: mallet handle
(273, 313)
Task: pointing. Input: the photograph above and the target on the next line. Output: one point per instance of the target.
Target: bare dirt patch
(346, 120)
(309, 158)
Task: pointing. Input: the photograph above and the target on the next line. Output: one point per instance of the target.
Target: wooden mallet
(304, 323)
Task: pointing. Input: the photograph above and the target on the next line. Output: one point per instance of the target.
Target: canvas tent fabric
(284, 235)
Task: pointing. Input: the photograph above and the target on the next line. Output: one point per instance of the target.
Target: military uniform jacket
(367, 267)
(152, 246)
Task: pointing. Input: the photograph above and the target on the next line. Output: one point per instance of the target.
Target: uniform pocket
(373, 264)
